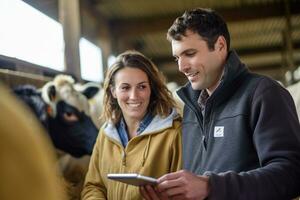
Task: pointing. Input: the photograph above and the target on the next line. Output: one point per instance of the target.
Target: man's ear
(221, 44)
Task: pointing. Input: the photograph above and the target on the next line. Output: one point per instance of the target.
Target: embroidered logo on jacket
(219, 131)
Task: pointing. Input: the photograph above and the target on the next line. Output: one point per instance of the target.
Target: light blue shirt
(122, 128)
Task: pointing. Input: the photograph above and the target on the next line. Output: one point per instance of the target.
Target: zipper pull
(204, 141)
(123, 159)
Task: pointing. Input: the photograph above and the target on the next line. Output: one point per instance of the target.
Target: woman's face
(132, 91)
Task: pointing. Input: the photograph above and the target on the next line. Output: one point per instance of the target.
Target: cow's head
(70, 125)
(64, 112)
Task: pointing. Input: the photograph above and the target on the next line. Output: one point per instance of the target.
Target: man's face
(203, 67)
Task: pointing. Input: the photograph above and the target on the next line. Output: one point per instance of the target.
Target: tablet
(133, 179)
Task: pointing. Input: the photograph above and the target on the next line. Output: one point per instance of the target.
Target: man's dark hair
(207, 23)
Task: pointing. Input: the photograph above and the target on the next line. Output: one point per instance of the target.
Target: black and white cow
(64, 112)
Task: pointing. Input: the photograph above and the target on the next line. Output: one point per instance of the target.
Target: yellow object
(27, 169)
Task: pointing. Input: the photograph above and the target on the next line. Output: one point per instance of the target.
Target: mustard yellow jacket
(155, 152)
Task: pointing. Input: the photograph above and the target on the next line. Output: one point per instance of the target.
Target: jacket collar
(122, 128)
(157, 124)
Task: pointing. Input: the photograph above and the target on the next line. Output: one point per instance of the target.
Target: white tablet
(133, 179)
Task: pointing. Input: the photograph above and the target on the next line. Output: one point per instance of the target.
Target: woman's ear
(113, 91)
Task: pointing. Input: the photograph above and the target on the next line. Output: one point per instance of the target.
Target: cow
(295, 92)
(94, 93)
(173, 87)
(32, 98)
(69, 123)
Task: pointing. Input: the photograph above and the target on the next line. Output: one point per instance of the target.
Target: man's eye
(190, 54)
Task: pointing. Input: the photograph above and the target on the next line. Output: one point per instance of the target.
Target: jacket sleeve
(275, 132)
(176, 162)
(94, 188)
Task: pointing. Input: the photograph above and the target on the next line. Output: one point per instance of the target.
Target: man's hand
(177, 186)
(183, 185)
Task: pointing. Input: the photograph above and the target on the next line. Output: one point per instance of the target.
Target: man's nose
(182, 65)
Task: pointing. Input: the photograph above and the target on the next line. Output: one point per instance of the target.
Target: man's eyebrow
(183, 52)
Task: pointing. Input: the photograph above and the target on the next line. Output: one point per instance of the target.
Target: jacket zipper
(201, 123)
(123, 158)
(206, 125)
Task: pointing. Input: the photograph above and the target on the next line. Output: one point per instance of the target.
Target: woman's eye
(142, 86)
(124, 88)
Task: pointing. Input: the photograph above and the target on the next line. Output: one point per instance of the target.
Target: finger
(178, 197)
(171, 176)
(168, 184)
(144, 193)
(163, 196)
(151, 192)
(175, 191)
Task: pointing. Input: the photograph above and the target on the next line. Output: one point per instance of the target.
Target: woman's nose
(133, 94)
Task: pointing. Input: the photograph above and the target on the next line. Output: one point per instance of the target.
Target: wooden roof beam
(133, 27)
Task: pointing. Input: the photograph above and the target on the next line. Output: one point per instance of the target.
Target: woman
(142, 133)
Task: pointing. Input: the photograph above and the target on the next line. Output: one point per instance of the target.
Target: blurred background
(42, 38)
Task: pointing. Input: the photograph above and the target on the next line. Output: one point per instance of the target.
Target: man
(241, 135)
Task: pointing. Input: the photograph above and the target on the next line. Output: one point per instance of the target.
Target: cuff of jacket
(217, 186)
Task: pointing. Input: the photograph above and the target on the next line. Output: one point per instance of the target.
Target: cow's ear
(90, 91)
(51, 91)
